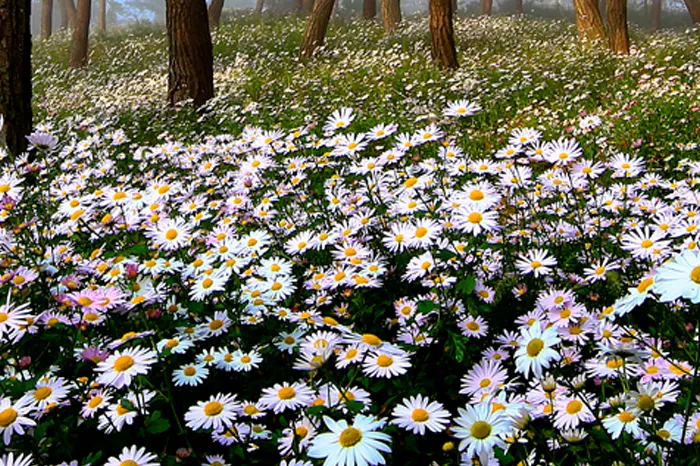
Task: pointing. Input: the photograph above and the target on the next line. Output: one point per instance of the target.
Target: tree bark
(81, 32)
(391, 14)
(71, 11)
(191, 66)
(64, 14)
(215, 9)
(655, 15)
(694, 10)
(307, 6)
(442, 38)
(369, 9)
(316, 27)
(519, 8)
(486, 7)
(259, 4)
(588, 20)
(102, 16)
(46, 18)
(454, 6)
(616, 14)
(16, 76)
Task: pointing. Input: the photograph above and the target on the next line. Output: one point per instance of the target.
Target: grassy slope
(524, 72)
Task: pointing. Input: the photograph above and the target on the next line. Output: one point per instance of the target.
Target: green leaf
(424, 307)
(127, 404)
(156, 424)
(466, 285)
(446, 255)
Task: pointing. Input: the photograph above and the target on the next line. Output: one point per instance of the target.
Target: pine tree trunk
(307, 6)
(64, 14)
(616, 14)
(46, 18)
(191, 67)
(453, 3)
(519, 8)
(259, 4)
(694, 10)
(316, 27)
(102, 16)
(16, 75)
(71, 11)
(81, 32)
(441, 34)
(588, 20)
(369, 9)
(391, 14)
(215, 9)
(486, 7)
(655, 15)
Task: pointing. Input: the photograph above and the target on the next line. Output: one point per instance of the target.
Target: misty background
(124, 12)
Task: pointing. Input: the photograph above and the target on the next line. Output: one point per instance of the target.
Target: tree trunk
(588, 20)
(441, 34)
(369, 9)
(391, 14)
(486, 7)
(215, 13)
(64, 14)
(694, 10)
(519, 8)
(102, 16)
(46, 18)
(191, 67)
(307, 6)
(81, 32)
(16, 76)
(259, 7)
(655, 15)
(316, 27)
(453, 4)
(71, 11)
(616, 14)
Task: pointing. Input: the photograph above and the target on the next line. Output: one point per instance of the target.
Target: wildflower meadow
(360, 260)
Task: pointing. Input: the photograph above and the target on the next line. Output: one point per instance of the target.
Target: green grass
(525, 72)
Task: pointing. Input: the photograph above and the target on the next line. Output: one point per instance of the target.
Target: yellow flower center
(213, 408)
(7, 417)
(301, 431)
(350, 437)
(123, 363)
(251, 410)
(189, 371)
(626, 417)
(384, 361)
(420, 415)
(286, 393)
(644, 285)
(171, 234)
(485, 383)
(94, 402)
(371, 340)
(574, 406)
(645, 403)
(128, 463)
(207, 283)
(216, 324)
(647, 243)
(42, 393)
(475, 217)
(421, 232)
(246, 359)
(481, 430)
(695, 275)
(535, 347)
